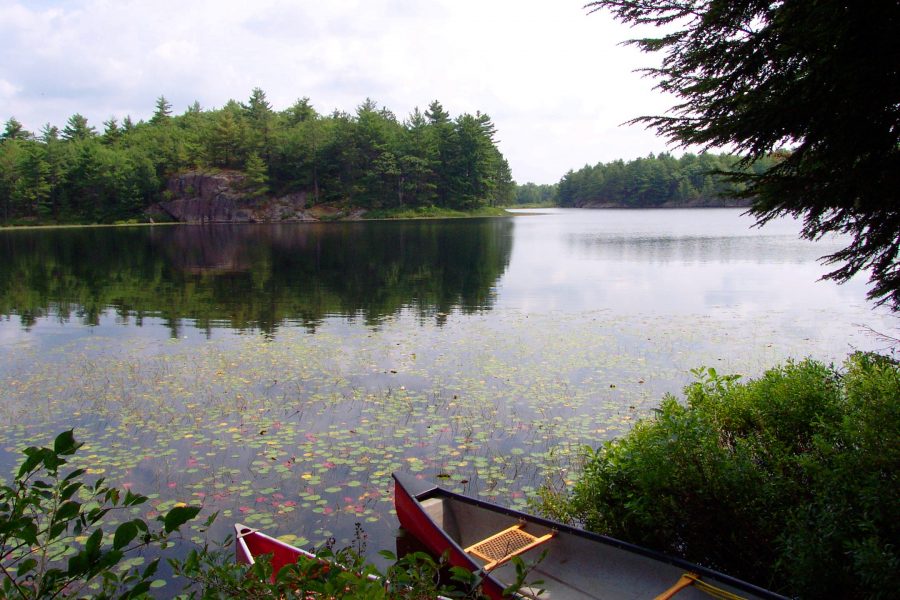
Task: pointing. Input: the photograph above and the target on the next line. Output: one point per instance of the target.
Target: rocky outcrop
(218, 197)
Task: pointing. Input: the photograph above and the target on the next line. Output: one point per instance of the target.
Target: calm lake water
(279, 373)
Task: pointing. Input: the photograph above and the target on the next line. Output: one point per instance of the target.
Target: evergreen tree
(474, 167)
(10, 153)
(14, 131)
(227, 136)
(49, 133)
(300, 112)
(163, 111)
(77, 128)
(419, 154)
(256, 176)
(260, 121)
(111, 133)
(32, 191)
(443, 139)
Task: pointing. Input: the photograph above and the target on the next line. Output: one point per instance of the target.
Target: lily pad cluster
(298, 433)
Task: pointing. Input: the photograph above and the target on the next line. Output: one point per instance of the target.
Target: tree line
(660, 180)
(369, 159)
(651, 181)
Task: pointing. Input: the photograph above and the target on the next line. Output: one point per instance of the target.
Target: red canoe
(250, 543)
(481, 536)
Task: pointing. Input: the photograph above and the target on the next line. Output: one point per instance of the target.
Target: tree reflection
(253, 277)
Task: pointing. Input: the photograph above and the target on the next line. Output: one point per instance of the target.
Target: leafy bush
(789, 480)
(214, 575)
(51, 540)
(52, 545)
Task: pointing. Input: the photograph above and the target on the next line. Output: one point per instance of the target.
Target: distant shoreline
(355, 216)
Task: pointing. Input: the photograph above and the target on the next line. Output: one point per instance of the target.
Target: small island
(248, 162)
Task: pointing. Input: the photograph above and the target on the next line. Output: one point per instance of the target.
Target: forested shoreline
(369, 159)
(693, 180)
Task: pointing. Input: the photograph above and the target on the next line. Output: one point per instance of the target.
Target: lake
(279, 373)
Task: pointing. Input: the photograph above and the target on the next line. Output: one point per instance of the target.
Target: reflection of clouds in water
(10, 336)
(758, 249)
(665, 261)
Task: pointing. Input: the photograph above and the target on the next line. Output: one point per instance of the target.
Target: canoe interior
(575, 566)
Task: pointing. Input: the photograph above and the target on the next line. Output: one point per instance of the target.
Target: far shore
(355, 215)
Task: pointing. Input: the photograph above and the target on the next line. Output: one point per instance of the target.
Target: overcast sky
(555, 81)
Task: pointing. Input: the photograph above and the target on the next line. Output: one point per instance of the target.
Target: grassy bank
(347, 214)
(434, 212)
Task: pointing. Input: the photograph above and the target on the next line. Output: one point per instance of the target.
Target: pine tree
(77, 128)
(111, 133)
(49, 133)
(163, 111)
(32, 190)
(14, 131)
(260, 120)
(301, 111)
(443, 137)
(256, 181)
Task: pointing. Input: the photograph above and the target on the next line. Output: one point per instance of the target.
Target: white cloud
(556, 81)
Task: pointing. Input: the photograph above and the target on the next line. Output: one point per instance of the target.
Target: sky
(556, 81)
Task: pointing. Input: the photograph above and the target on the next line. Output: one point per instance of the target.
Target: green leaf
(35, 456)
(67, 511)
(65, 443)
(150, 571)
(57, 528)
(388, 555)
(178, 516)
(74, 474)
(125, 533)
(25, 566)
(70, 490)
(92, 546)
(133, 499)
(211, 519)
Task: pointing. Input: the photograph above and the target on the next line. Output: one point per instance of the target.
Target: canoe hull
(573, 564)
(250, 543)
(418, 523)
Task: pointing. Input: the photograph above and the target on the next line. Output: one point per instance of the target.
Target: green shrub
(212, 574)
(51, 540)
(788, 480)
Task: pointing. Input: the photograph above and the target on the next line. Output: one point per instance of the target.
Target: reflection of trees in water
(254, 276)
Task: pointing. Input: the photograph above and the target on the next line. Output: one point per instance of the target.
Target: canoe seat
(502, 546)
(692, 579)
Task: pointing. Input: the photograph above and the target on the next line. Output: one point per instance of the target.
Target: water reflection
(253, 277)
(692, 261)
(558, 340)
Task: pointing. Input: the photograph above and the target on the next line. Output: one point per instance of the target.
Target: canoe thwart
(500, 547)
(692, 579)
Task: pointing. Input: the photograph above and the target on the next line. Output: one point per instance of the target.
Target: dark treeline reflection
(253, 276)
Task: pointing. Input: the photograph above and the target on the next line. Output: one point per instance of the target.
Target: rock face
(200, 197)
